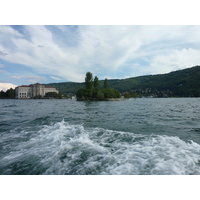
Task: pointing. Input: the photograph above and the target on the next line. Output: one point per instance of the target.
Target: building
(33, 90)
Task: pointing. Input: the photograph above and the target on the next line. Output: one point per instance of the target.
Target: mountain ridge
(180, 83)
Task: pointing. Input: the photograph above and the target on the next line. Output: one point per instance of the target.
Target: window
(22, 95)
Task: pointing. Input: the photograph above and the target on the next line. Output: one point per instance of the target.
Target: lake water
(137, 136)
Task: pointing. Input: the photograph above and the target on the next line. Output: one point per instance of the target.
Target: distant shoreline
(108, 99)
(116, 99)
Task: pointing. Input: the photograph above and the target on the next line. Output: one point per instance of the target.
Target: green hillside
(182, 83)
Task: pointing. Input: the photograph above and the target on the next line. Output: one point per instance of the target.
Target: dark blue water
(136, 136)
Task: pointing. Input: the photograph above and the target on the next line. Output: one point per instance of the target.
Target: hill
(182, 83)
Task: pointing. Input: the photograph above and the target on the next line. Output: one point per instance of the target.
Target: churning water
(136, 136)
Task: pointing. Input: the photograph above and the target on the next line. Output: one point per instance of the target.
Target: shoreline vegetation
(181, 83)
(116, 99)
(91, 92)
(177, 84)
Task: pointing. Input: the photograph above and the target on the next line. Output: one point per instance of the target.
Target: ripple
(142, 136)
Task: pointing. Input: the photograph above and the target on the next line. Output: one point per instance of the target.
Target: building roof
(36, 84)
(24, 86)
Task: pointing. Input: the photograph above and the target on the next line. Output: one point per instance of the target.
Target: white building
(33, 90)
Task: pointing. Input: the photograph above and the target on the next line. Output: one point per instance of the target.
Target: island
(91, 92)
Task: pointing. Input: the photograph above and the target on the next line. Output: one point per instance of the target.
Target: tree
(60, 95)
(105, 83)
(100, 95)
(88, 81)
(11, 93)
(80, 94)
(2, 94)
(127, 95)
(51, 95)
(94, 93)
(135, 95)
(96, 87)
(96, 83)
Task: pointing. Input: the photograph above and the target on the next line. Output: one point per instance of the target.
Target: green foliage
(95, 93)
(9, 94)
(80, 93)
(182, 83)
(127, 95)
(60, 95)
(111, 93)
(2, 94)
(67, 88)
(96, 83)
(38, 97)
(134, 95)
(100, 95)
(105, 85)
(96, 87)
(88, 81)
(51, 95)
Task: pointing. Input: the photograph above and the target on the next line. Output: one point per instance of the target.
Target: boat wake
(62, 148)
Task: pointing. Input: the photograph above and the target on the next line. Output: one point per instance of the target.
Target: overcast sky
(47, 54)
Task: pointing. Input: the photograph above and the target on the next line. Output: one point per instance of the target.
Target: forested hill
(182, 83)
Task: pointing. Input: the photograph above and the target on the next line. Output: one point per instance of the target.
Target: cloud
(34, 79)
(112, 51)
(175, 60)
(6, 86)
(17, 77)
(51, 60)
(55, 78)
(8, 31)
(31, 79)
(3, 53)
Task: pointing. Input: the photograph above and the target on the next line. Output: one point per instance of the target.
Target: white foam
(62, 148)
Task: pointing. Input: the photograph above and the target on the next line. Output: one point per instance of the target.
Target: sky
(62, 53)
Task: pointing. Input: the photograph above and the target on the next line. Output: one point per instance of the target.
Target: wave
(63, 148)
(10, 106)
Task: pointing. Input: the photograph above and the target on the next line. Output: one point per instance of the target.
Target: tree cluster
(92, 91)
(127, 95)
(182, 83)
(9, 94)
(53, 95)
